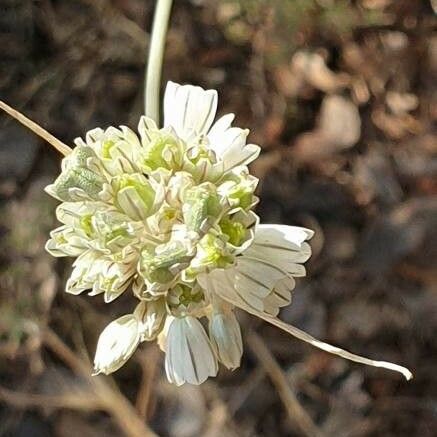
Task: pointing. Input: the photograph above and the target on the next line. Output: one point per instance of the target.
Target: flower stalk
(155, 58)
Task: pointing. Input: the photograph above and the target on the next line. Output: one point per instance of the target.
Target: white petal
(279, 254)
(152, 316)
(85, 270)
(145, 126)
(266, 269)
(189, 354)
(189, 109)
(257, 274)
(225, 334)
(222, 136)
(220, 127)
(236, 156)
(116, 344)
(280, 296)
(162, 336)
(71, 213)
(287, 237)
(229, 143)
(262, 277)
(276, 261)
(281, 247)
(222, 283)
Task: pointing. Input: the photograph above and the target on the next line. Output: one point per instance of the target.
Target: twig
(52, 140)
(112, 400)
(149, 364)
(245, 390)
(220, 421)
(295, 411)
(76, 401)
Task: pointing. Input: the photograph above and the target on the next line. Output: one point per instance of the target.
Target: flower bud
(211, 253)
(151, 315)
(238, 230)
(164, 150)
(85, 271)
(183, 299)
(225, 335)
(78, 157)
(118, 149)
(117, 342)
(111, 231)
(201, 207)
(238, 189)
(162, 221)
(76, 181)
(177, 187)
(113, 279)
(136, 195)
(162, 263)
(66, 241)
(143, 291)
(201, 161)
(234, 230)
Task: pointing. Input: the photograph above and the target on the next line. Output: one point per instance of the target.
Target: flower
(168, 216)
(116, 344)
(225, 334)
(189, 353)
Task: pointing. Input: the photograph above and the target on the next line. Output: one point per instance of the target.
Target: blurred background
(341, 96)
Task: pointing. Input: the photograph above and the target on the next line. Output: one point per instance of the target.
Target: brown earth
(341, 96)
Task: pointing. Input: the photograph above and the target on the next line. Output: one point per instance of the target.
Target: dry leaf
(339, 127)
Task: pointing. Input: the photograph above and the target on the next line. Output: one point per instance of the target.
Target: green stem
(156, 55)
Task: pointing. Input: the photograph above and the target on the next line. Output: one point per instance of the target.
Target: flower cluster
(168, 216)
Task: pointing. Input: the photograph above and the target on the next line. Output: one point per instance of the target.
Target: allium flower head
(167, 216)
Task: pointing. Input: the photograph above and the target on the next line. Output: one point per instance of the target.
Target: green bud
(78, 157)
(239, 190)
(86, 224)
(106, 148)
(161, 264)
(234, 230)
(211, 253)
(134, 195)
(164, 151)
(80, 178)
(111, 230)
(184, 298)
(202, 207)
(76, 179)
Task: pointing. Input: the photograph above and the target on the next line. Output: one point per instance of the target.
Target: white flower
(168, 217)
(262, 277)
(152, 315)
(189, 354)
(190, 110)
(117, 342)
(225, 335)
